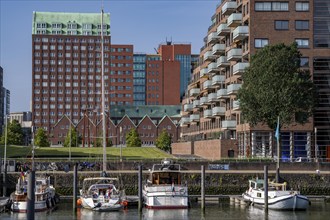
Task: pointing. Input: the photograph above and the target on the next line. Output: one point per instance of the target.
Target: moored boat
(164, 188)
(45, 197)
(101, 194)
(279, 198)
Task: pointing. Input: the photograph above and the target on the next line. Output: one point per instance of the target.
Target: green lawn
(131, 153)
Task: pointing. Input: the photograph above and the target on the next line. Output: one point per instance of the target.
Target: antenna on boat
(103, 98)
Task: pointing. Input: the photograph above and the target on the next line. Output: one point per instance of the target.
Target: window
(281, 25)
(271, 6)
(302, 43)
(302, 25)
(302, 6)
(259, 43)
(304, 62)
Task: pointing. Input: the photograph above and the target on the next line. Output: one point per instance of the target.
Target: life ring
(79, 202)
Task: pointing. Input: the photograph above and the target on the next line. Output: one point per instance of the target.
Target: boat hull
(287, 202)
(22, 206)
(163, 198)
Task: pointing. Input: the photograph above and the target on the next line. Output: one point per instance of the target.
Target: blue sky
(143, 24)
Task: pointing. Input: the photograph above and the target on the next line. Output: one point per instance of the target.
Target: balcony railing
(213, 68)
(234, 20)
(234, 54)
(203, 73)
(236, 105)
(223, 30)
(222, 61)
(208, 56)
(212, 38)
(196, 103)
(185, 120)
(233, 88)
(222, 94)
(218, 49)
(194, 118)
(240, 33)
(204, 100)
(228, 8)
(239, 68)
(207, 84)
(208, 113)
(188, 107)
(212, 97)
(218, 111)
(194, 92)
(228, 124)
(218, 80)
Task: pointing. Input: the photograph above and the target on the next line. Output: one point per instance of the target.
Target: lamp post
(70, 141)
(120, 139)
(316, 147)
(4, 160)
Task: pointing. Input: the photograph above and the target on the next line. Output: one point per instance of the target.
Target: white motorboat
(101, 194)
(45, 197)
(164, 188)
(279, 198)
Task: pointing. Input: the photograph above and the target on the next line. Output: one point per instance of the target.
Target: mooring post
(266, 187)
(75, 185)
(140, 188)
(31, 195)
(203, 188)
(4, 188)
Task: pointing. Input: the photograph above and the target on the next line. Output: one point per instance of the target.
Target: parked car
(302, 159)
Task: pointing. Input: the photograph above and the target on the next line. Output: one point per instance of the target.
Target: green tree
(41, 139)
(133, 139)
(71, 137)
(14, 133)
(163, 141)
(99, 141)
(275, 85)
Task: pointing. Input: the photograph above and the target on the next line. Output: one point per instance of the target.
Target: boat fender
(182, 191)
(79, 202)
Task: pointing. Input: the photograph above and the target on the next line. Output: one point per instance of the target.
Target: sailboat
(101, 193)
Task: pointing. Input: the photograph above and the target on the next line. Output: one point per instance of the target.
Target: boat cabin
(165, 173)
(259, 184)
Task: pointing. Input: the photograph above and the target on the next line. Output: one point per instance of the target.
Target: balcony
(212, 38)
(208, 113)
(185, 120)
(239, 68)
(212, 97)
(218, 111)
(228, 124)
(228, 8)
(223, 30)
(235, 105)
(204, 101)
(207, 84)
(218, 49)
(212, 68)
(203, 73)
(194, 92)
(188, 107)
(234, 20)
(234, 54)
(208, 56)
(218, 80)
(222, 62)
(233, 88)
(196, 103)
(194, 118)
(240, 33)
(222, 94)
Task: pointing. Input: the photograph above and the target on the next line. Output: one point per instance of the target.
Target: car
(302, 159)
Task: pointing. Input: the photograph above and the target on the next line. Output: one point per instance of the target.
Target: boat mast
(103, 99)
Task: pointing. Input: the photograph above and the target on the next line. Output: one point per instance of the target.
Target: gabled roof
(145, 118)
(166, 116)
(62, 118)
(126, 116)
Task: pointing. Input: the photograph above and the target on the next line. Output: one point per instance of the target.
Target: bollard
(31, 195)
(75, 183)
(203, 188)
(140, 188)
(266, 187)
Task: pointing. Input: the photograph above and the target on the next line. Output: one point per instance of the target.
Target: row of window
(82, 77)
(68, 70)
(280, 6)
(74, 91)
(262, 42)
(71, 32)
(299, 25)
(70, 25)
(75, 55)
(69, 40)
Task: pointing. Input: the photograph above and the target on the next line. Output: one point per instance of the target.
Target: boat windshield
(166, 178)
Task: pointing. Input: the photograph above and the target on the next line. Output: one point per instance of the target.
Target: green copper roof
(60, 23)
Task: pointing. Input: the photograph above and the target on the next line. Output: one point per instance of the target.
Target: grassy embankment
(128, 153)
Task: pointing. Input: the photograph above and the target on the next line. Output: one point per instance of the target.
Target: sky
(142, 23)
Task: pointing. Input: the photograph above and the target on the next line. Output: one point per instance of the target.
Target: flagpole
(277, 135)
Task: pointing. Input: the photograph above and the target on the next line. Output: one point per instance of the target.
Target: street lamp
(120, 139)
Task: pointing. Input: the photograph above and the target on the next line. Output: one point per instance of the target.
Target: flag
(277, 132)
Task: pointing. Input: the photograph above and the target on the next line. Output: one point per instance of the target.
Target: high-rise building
(238, 29)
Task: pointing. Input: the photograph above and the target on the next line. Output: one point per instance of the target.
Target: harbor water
(318, 210)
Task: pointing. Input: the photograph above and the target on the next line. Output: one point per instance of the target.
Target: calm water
(318, 211)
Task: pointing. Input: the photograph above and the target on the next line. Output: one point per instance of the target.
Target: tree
(133, 139)
(163, 141)
(275, 86)
(14, 133)
(41, 139)
(71, 137)
(99, 141)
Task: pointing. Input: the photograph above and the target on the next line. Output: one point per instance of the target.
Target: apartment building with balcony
(238, 29)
